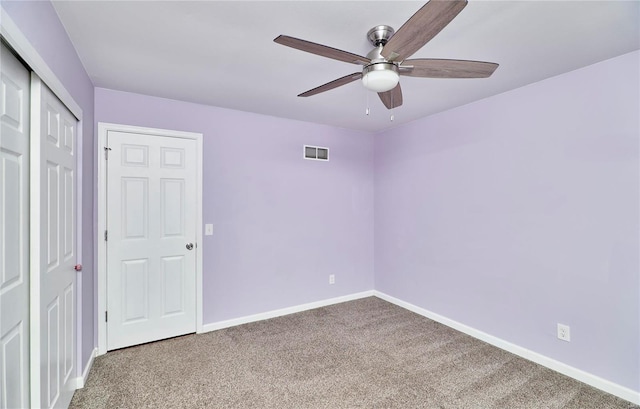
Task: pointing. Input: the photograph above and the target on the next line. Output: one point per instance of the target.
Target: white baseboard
(82, 380)
(284, 311)
(578, 374)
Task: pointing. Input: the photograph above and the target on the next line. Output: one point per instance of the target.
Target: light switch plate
(208, 229)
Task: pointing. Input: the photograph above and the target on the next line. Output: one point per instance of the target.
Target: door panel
(151, 275)
(52, 360)
(172, 207)
(58, 243)
(67, 346)
(14, 231)
(13, 369)
(68, 214)
(135, 285)
(135, 203)
(51, 205)
(172, 283)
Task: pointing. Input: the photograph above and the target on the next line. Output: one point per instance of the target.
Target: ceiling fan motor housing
(379, 35)
(380, 75)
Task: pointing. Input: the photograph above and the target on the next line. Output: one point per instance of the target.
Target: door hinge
(106, 235)
(105, 316)
(106, 152)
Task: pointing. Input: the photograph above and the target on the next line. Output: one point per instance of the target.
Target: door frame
(14, 37)
(103, 130)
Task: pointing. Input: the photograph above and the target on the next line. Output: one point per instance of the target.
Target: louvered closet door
(57, 250)
(151, 223)
(14, 232)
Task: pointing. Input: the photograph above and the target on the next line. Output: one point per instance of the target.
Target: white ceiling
(222, 53)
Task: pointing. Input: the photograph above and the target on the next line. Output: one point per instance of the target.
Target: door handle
(189, 246)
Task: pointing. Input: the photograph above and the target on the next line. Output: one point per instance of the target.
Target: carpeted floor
(366, 353)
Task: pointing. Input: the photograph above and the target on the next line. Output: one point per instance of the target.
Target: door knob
(189, 246)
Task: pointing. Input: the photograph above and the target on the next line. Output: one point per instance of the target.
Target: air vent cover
(316, 153)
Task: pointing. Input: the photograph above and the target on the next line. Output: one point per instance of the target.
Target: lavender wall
(39, 23)
(282, 224)
(520, 211)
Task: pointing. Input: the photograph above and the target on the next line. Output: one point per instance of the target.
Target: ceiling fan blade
(436, 68)
(322, 50)
(421, 28)
(393, 98)
(333, 84)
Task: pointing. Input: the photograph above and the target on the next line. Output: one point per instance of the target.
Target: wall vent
(316, 153)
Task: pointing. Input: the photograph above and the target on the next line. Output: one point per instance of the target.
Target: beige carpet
(360, 354)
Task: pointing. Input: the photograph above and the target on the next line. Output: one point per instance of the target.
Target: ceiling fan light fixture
(380, 77)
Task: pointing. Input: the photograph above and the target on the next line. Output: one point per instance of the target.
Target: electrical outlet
(564, 332)
(332, 279)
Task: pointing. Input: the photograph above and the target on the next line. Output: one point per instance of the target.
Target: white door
(57, 226)
(14, 234)
(151, 232)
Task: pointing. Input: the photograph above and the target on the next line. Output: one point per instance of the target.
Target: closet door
(56, 231)
(14, 232)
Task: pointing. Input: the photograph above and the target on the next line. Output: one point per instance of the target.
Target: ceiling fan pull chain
(392, 107)
(367, 111)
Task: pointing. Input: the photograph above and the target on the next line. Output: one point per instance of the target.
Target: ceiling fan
(388, 60)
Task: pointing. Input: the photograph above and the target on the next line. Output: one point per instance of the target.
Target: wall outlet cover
(564, 332)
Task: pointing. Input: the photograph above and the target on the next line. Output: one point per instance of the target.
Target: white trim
(284, 311)
(34, 241)
(101, 245)
(81, 381)
(28, 53)
(103, 129)
(199, 241)
(79, 241)
(578, 374)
